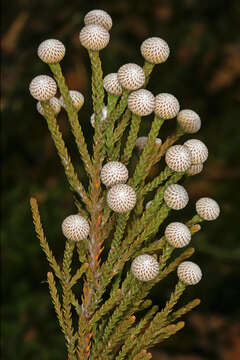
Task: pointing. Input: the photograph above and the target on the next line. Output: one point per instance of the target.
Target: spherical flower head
(77, 99)
(198, 150)
(176, 197)
(178, 158)
(112, 85)
(75, 228)
(155, 50)
(177, 234)
(43, 87)
(166, 106)
(131, 76)
(121, 198)
(104, 116)
(141, 102)
(195, 169)
(54, 103)
(94, 37)
(142, 140)
(207, 208)
(189, 273)
(189, 121)
(148, 204)
(145, 267)
(158, 142)
(99, 17)
(51, 51)
(113, 173)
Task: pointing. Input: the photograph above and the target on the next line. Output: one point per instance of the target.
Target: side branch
(72, 117)
(63, 153)
(43, 241)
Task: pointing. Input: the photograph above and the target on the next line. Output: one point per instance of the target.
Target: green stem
(195, 220)
(67, 313)
(158, 180)
(145, 163)
(97, 85)
(167, 143)
(160, 319)
(111, 104)
(131, 140)
(112, 100)
(63, 153)
(147, 68)
(121, 105)
(72, 116)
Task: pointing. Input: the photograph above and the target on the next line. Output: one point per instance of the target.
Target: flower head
(155, 50)
(198, 150)
(112, 85)
(51, 51)
(121, 198)
(178, 158)
(145, 267)
(141, 102)
(75, 228)
(189, 121)
(77, 99)
(142, 140)
(131, 76)
(189, 273)
(99, 17)
(104, 116)
(177, 234)
(43, 88)
(54, 103)
(207, 208)
(113, 173)
(176, 197)
(166, 106)
(94, 37)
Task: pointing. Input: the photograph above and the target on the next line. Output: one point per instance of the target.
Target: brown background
(203, 73)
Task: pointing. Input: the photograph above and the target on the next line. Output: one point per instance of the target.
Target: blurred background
(203, 72)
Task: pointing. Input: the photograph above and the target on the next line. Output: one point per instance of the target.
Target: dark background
(203, 73)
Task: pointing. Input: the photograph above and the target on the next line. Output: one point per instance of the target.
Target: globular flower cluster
(77, 99)
(177, 234)
(113, 173)
(51, 51)
(43, 88)
(94, 37)
(178, 158)
(189, 120)
(131, 76)
(54, 103)
(176, 197)
(121, 198)
(166, 106)
(103, 117)
(145, 267)
(142, 140)
(189, 273)
(114, 186)
(155, 50)
(141, 102)
(98, 17)
(207, 208)
(75, 228)
(112, 85)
